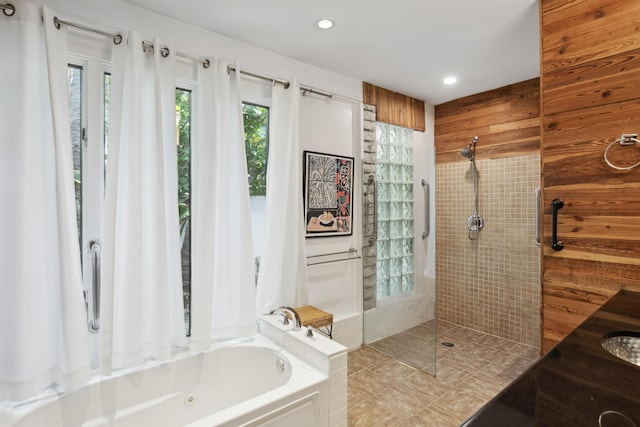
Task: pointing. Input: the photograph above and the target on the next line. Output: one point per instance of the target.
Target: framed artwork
(328, 190)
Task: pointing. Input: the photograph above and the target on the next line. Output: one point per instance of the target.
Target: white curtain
(283, 277)
(142, 308)
(222, 286)
(43, 329)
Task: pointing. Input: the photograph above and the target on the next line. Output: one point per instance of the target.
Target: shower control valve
(475, 223)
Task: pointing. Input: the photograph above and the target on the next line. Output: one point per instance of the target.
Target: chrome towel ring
(625, 140)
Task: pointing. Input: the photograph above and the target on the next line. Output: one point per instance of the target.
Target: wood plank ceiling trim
(395, 108)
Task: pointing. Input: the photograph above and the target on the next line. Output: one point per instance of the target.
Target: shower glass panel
(399, 321)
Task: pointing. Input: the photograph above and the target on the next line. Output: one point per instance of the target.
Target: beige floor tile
(464, 335)
(391, 370)
(513, 362)
(526, 351)
(460, 402)
(438, 417)
(425, 387)
(416, 358)
(468, 361)
(391, 345)
(367, 383)
(375, 414)
(443, 325)
(498, 343)
(353, 366)
(366, 355)
(384, 391)
(482, 385)
(451, 372)
(355, 397)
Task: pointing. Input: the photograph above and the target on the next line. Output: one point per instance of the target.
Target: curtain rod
(305, 90)
(231, 68)
(117, 39)
(164, 51)
(8, 9)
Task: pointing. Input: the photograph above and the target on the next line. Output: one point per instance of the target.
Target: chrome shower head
(470, 150)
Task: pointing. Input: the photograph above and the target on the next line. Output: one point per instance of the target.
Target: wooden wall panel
(581, 31)
(395, 108)
(590, 84)
(506, 120)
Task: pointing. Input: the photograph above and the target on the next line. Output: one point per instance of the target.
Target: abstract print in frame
(328, 186)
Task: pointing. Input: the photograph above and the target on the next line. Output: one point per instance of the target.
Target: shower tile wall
(491, 284)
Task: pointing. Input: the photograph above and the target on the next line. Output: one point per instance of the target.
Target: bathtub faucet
(283, 310)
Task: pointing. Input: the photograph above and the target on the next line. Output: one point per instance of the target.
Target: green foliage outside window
(256, 139)
(183, 116)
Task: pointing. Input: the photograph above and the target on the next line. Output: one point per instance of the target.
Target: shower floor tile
(390, 383)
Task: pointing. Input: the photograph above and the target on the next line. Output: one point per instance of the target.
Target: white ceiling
(407, 46)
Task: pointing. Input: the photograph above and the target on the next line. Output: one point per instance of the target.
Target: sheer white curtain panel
(43, 327)
(222, 286)
(142, 308)
(283, 274)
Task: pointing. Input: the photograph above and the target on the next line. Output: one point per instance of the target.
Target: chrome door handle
(538, 193)
(95, 249)
(372, 183)
(427, 209)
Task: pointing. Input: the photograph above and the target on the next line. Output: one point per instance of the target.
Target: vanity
(579, 382)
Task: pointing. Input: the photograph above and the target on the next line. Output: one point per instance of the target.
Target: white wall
(334, 127)
(329, 126)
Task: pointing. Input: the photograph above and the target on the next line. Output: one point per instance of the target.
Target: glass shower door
(399, 316)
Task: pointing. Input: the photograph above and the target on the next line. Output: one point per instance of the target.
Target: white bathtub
(252, 382)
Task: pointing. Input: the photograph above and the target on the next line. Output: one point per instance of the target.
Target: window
(394, 171)
(74, 74)
(256, 138)
(90, 83)
(183, 124)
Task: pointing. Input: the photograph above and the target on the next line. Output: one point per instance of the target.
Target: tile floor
(398, 390)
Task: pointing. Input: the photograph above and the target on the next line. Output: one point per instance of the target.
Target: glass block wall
(394, 173)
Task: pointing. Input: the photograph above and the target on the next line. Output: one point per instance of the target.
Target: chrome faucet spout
(283, 309)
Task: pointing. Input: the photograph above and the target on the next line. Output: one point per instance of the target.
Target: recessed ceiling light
(450, 80)
(325, 24)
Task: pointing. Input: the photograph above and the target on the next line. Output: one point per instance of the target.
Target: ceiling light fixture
(325, 24)
(450, 80)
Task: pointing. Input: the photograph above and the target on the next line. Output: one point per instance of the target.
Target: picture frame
(328, 194)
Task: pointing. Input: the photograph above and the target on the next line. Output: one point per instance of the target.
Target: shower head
(470, 150)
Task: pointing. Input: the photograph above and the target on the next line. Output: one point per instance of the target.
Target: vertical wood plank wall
(507, 121)
(395, 108)
(590, 80)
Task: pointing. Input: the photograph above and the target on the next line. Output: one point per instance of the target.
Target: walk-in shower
(475, 221)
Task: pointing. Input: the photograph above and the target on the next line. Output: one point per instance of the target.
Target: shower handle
(538, 199)
(556, 244)
(372, 183)
(427, 209)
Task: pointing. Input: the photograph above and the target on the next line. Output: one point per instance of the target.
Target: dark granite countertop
(577, 383)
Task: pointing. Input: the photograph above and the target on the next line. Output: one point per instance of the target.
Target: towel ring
(625, 139)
